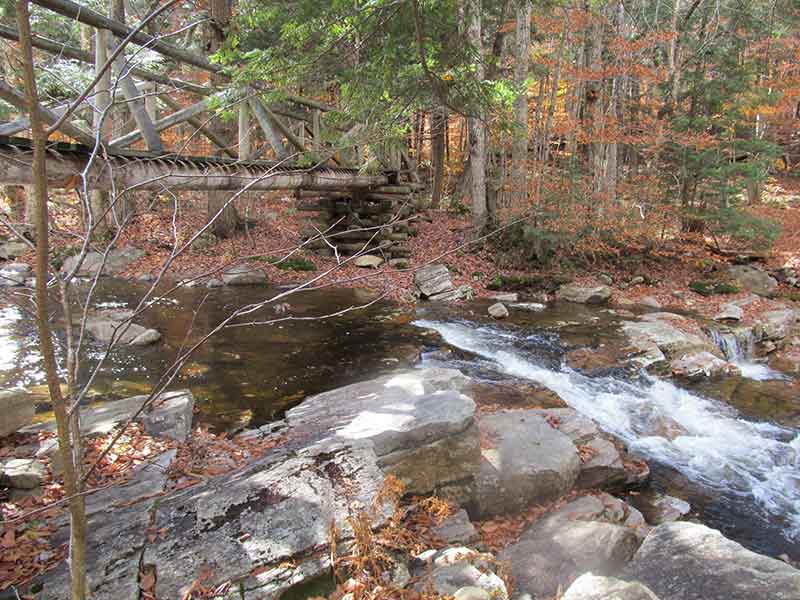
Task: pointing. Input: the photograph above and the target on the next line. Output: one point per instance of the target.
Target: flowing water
(730, 448)
(743, 475)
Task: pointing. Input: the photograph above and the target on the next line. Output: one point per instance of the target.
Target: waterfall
(714, 446)
(738, 346)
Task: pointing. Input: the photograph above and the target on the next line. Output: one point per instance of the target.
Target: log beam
(176, 173)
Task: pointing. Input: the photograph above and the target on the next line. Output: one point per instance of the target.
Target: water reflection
(243, 375)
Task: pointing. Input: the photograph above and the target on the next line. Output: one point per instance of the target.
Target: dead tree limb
(59, 49)
(13, 97)
(199, 125)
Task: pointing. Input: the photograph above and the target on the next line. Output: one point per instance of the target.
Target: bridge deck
(126, 169)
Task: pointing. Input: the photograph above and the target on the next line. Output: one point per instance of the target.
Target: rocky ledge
(267, 527)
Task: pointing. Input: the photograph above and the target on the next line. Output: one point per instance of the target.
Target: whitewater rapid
(707, 440)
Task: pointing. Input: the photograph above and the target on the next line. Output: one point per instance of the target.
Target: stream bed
(735, 458)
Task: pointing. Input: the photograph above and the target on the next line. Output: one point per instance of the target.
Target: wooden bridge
(336, 189)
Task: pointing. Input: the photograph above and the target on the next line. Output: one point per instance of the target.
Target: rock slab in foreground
(523, 460)
(687, 561)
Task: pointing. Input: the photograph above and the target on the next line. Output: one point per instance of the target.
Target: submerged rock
(584, 295)
(107, 330)
(524, 460)
(687, 561)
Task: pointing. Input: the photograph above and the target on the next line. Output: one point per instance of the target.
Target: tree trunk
(477, 125)
(438, 128)
(98, 203)
(519, 149)
(227, 222)
(68, 447)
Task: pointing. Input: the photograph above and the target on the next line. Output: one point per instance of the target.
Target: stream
(736, 458)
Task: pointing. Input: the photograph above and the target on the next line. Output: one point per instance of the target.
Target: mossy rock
(293, 263)
(712, 288)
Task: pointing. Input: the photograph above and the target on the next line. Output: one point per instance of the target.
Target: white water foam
(709, 442)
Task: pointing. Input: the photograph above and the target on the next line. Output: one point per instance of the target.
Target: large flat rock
(523, 460)
(421, 427)
(687, 561)
(275, 511)
(116, 261)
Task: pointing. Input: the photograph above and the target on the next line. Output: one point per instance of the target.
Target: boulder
(701, 364)
(650, 302)
(243, 275)
(22, 473)
(462, 292)
(504, 297)
(604, 467)
(433, 279)
(13, 249)
(117, 261)
(590, 534)
(729, 312)
(777, 324)
(456, 529)
(754, 280)
(418, 423)
(659, 508)
(147, 337)
(18, 267)
(498, 311)
(368, 261)
(659, 330)
(583, 294)
(523, 460)
(107, 329)
(16, 411)
(592, 587)
(214, 283)
(450, 570)
(688, 561)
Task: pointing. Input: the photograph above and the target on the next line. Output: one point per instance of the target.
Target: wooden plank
(176, 173)
(171, 120)
(282, 128)
(268, 126)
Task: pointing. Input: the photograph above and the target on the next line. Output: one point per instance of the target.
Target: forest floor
(442, 237)
(671, 268)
